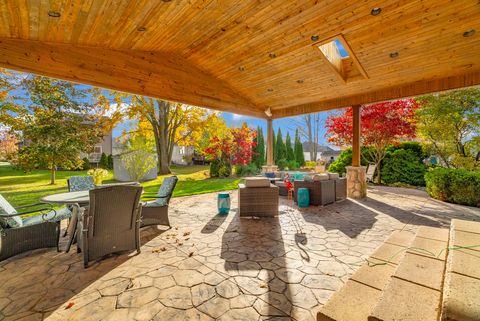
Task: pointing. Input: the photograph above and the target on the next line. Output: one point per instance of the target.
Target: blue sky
(235, 120)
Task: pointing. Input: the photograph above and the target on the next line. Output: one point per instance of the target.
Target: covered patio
(221, 267)
(267, 59)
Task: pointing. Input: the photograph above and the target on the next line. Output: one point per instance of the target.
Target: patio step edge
(461, 292)
(360, 294)
(414, 291)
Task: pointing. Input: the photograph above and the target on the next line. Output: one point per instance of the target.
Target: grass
(21, 188)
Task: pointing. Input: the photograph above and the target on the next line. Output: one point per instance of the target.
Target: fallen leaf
(190, 254)
(69, 305)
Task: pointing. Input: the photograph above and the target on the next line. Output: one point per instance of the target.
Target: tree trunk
(52, 174)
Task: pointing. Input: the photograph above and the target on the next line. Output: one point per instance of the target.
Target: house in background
(324, 153)
(105, 145)
(183, 155)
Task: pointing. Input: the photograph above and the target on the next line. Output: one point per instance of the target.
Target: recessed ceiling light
(270, 89)
(141, 29)
(300, 81)
(241, 68)
(272, 55)
(223, 29)
(376, 11)
(54, 14)
(315, 37)
(394, 54)
(469, 33)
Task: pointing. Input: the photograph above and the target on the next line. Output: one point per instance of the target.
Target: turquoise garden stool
(223, 203)
(303, 197)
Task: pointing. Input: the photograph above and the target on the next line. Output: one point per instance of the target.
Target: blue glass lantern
(223, 203)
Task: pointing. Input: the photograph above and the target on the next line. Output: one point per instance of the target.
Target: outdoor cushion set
(109, 224)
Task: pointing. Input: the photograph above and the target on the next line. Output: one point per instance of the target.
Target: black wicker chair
(111, 223)
(18, 235)
(155, 211)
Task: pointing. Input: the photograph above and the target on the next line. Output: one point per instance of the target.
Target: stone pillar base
(356, 182)
(269, 168)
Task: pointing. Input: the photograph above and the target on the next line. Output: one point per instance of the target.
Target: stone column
(356, 181)
(270, 167)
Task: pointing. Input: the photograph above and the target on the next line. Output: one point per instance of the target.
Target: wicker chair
(258, 201)
(321, 192)
(80, 183)
(155, 211)
(18, 235)
(111, 222)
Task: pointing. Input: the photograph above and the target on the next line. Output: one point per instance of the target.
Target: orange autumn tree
(382, 124)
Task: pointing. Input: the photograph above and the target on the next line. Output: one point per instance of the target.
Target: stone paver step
(357, 298)
(461, 292)
(414, 291)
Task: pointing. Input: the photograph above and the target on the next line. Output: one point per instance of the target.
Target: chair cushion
(257, 182)
(167, 187)
(320, 177)
(80, 183)
(159, 202)
(308, 178)
(333, 175)
(7, 209)
(62, 214)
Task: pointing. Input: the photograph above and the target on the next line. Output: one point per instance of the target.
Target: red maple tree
(236, 148)
(382, 124)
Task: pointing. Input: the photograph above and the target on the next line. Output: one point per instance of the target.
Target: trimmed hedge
(403, 166)
(454, 185)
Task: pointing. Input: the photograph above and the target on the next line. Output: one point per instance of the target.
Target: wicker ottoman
(282, 189)
(340, 188)
(258, 201)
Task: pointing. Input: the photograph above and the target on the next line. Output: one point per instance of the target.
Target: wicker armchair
(258, 201)
(18, 235)
(321, 192)
(80, 183)
(111, 223)
(155, 211)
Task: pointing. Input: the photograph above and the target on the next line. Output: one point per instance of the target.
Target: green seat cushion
(62, 214)
(157, 202)
(7, 209)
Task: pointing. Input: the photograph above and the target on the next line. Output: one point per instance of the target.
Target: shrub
(292, 165)
(110, 161)
(104, 161)
(246, 170)
(310, 164)
(414, 147)
(345, 159)
(403, 166)
(214, 165)
(224, 170)
(458, 186)
(86, 164)
(282, 163)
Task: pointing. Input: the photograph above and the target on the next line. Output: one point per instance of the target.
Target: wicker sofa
(261, 201)
(321, 192)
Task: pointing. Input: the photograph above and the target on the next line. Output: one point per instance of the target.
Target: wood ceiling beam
(153, 74)
(386, 94)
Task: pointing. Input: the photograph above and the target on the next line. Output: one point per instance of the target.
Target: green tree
(104, 161)
(274, 145)
(56, 121)
(258, 157)
(280, 147)
(289, 149)
(298, 150)
(450, 124)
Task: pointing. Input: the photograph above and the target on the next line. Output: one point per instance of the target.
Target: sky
(235, 120)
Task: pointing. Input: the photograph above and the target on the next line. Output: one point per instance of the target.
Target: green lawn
(21, 188)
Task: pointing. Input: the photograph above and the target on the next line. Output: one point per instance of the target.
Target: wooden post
(356, 136)
(269, 143)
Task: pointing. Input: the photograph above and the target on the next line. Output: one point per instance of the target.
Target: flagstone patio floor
(210, 267)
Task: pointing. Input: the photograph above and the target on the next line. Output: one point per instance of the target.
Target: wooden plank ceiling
(246, 56)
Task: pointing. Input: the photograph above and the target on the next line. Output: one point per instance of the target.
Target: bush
(292, 165)
(110, 161)
(224, 170)
(214, 165)
(104, 161)
(403, 166)
(345, 159)
(458, 186)
(414, 147)
(86, 164)
(310, 164)
(282, 163)
(246, 170)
